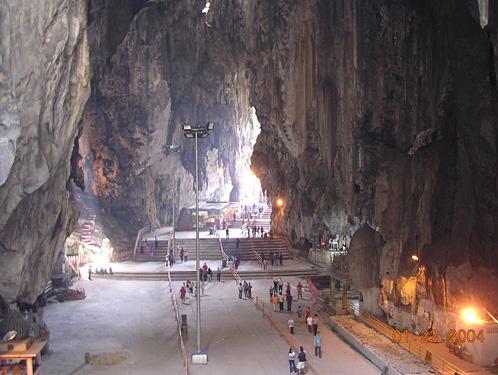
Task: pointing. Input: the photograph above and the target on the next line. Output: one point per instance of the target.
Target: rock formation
(378, 121)
(44, 84)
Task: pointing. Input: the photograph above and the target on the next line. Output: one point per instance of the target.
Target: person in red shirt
(205, 267)
(183, 292)
(299, 287)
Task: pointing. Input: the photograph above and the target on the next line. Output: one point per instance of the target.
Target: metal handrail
(140, 235)
(178, 324)
(432, 359)
(231, 266)
(255, 253)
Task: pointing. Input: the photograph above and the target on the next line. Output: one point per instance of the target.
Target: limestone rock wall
(44, 84)
(170, 65)
(383, 114)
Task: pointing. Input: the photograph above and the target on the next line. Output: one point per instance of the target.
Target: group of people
(146, 248)
(274, 259)
(98, 271)
(191, 287)
(245, 290)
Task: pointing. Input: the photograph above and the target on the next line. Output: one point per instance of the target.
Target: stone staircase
(159, 254)
(209, 248)
(88, 217)
(276, 244)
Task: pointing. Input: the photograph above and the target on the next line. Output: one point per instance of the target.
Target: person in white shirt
(292, 361)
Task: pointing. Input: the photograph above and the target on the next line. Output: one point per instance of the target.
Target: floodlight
(9, 336)
(189, 135)
(210, 125)
(187, 127)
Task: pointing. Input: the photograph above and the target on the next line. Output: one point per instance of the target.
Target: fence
(229, 262)
(439, 363)
(178, 323)
(140, 234)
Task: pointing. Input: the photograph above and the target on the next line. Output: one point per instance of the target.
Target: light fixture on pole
(198, 132)
(173, 149)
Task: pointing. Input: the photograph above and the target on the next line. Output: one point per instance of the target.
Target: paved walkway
(338, 358)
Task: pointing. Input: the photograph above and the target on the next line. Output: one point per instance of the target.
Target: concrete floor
(135, 319)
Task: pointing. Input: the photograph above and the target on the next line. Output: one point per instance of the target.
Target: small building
(210, 214)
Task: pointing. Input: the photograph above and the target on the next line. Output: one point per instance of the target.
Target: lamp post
(197, 132)
(175, 149)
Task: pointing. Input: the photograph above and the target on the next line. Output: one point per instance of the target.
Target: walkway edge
(356, 344)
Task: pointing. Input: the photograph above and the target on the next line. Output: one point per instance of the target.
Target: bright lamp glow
(187, 127)
(210, 125)
(280, 202)
(470, 315)
(414, 257)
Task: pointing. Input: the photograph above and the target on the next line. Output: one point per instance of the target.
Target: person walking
(156, 243)
(280, 285)
(289, 302)
(183, 292)
(309, 322)
(237, 243)
(292, 361)
(227, 233)
(317, 341)
(241, 289)
(281, 302)
(218, 275)
(210, 274)
(314, 323)
(185, 255)
(274, 301)
(301, 360)
(249, 291)
(299, 287)
(244, 286)
(299, 313)
(265, 265)
(290, 323)
(281, 259)
(182, 252)
(90, 272)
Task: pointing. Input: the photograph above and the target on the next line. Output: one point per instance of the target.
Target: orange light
(470, 315)
(414, 257)
(280, 202)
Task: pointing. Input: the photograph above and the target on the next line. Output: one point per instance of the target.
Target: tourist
(185, 255)
(314, 323)
(190, 285)
(290, 323)
(281, 259)
(309, 323)
(317, 341)
(90, 272)
(227, 233)
(183, 292)
(301, 360)
(288, 289)
(280, 285)
(299, 287)
(110, 271)
(272, 258)
(292, 361)
(308, 312)
(182, 252)
(241, 289)
(299, 312)
(210, 274)
(244, 286)
(274, 301)
(237, 243)
(205, 267)
(281, 302)
(271, 291)
(265, 265)
(249, 291)
(156, 243)
(218, 275)
(289, 302)
(142, 248)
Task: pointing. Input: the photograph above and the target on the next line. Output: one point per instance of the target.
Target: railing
(140, 234)
(255, 253)
(178, 323)
(286, 240)
(267, 313)
(229, 262)
(432, 359)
